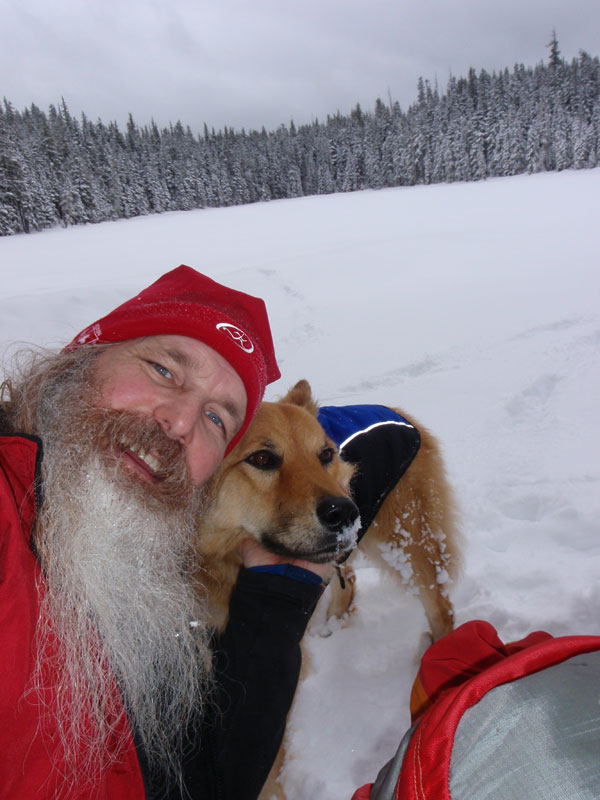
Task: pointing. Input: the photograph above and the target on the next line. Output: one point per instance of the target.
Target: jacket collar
(21, 462)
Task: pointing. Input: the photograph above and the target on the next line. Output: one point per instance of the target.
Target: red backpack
(496, 722)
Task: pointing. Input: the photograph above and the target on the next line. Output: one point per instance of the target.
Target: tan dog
(285, 485)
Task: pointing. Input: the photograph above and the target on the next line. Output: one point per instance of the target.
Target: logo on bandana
(90, 335)
(241, 338)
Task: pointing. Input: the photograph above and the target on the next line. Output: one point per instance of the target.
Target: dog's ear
(301, 395)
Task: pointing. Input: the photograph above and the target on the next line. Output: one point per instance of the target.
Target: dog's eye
(264, 459)
(326, 455)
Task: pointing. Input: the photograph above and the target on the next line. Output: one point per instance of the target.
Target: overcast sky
(249, 63)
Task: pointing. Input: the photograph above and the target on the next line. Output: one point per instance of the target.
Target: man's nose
(179, 415)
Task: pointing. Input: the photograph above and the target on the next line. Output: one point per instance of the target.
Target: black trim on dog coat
(381, 443)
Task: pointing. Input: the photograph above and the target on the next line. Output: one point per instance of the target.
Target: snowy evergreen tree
(554, 59)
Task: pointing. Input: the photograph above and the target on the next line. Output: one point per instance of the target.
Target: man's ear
(301, 395)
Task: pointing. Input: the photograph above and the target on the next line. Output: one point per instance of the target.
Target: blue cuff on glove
(290, 571)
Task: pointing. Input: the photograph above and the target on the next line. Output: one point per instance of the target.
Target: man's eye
(161, 370)
(215, 418)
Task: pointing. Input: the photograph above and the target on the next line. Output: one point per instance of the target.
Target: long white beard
(119, 599)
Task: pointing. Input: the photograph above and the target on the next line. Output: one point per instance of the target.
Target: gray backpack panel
(536, 737)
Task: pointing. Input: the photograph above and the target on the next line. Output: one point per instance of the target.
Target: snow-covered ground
(475, 307)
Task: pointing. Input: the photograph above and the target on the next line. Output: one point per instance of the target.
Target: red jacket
(26, 770)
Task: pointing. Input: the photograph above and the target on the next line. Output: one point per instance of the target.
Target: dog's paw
(330, 625)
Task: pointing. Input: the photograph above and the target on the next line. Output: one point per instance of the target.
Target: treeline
(56, 169)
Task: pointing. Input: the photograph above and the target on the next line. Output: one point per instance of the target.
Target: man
(108, 685)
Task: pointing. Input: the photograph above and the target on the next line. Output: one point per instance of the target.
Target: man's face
(185, 386)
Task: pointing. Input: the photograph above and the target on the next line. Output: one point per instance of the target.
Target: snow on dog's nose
(337, 513)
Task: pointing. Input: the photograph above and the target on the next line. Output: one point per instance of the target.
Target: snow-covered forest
(58, 170)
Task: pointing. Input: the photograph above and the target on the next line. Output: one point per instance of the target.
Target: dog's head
(285, 485)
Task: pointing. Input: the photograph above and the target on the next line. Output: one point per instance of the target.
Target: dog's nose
(337, 513)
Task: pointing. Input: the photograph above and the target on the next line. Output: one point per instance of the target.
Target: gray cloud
(249, 64)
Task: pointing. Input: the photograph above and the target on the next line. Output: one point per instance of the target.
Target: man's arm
(257, 664)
